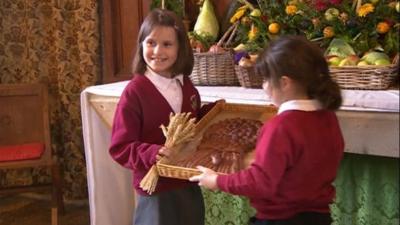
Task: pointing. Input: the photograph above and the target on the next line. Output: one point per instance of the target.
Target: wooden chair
(25, 139)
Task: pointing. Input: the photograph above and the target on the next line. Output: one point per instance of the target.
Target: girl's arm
(273, 156)
(264, 174)
(126, 147)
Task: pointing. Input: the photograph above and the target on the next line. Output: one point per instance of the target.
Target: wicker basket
(214, 69)
(366, 77)
(219, 112)
(247, 77)
(166, 170)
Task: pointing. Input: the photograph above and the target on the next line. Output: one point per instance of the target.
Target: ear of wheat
(180, 129)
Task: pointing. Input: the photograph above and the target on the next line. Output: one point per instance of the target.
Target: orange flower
(382, 27)
(365, 9)
(291, 10)
(328, 32)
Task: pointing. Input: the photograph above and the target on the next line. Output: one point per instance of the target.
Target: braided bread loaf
(223, 145)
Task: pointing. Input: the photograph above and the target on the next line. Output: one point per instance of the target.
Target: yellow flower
(238, 14)
(253, 32)
(365, 9)
(291, 10)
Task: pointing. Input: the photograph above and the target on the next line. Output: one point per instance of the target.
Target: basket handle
(230, 33)
(396, 59)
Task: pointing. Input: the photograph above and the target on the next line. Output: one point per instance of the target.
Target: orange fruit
(274, 28)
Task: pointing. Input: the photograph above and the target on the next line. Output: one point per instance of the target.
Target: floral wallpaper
(55, 42)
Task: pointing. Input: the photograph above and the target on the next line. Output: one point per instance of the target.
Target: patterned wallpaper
(55, 42)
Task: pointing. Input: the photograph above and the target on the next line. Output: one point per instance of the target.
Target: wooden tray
(220, 112)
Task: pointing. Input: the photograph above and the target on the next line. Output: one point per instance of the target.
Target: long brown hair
(162, 17)
(302, 61)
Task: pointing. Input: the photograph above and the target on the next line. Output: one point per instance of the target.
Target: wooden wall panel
(120, 24)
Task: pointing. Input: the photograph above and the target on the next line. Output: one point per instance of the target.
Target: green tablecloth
(367, 194)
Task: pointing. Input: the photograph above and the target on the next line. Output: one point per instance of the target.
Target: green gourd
(207, 23)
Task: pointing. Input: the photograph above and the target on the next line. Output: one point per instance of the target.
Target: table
(369, 120)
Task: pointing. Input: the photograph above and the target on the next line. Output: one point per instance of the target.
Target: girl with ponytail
(299, 150)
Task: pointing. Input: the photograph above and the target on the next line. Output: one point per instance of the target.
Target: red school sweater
(136, 135)
(297, 157)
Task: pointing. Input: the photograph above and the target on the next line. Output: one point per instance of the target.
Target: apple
(362, 63)
(334, 61)
(331, 14)
(382, 62)
(245, 62)
(216, 49)
(253, 57)
(345, 62)
(350, 60)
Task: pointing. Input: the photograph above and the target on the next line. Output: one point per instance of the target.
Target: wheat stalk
(180, 129)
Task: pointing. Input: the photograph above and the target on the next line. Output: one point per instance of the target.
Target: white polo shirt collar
(302, 105)
(162, 83)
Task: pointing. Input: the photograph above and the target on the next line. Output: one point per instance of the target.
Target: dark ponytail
(302, 61)
(325, 89)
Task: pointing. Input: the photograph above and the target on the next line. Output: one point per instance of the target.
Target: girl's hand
(163, 152)
(207, 179)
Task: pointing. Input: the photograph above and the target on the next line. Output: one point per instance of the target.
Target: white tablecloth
(369, 121)
(111, 197)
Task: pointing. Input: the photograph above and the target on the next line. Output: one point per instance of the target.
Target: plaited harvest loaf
(224, 144)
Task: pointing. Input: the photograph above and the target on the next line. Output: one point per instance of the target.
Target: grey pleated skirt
(177, 207)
